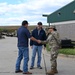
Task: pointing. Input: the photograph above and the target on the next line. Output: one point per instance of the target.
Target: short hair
(54, 29)
(24, 23)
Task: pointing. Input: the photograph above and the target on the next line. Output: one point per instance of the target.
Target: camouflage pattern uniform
(54, 48)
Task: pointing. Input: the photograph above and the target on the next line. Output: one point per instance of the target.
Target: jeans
(37, 49)
(23, 52)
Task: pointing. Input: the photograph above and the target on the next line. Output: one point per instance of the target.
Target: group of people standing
(38, 38)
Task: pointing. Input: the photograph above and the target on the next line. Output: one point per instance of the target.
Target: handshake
(39, 41)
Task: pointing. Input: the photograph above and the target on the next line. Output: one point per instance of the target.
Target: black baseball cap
(24, 22)
(39, 23)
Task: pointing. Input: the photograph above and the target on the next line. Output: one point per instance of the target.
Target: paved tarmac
(8, 55)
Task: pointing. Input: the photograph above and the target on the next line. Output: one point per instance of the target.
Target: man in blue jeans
(39, 34)
(23, 35)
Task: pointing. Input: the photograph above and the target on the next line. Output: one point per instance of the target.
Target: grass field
(67, 51)
(13, 28)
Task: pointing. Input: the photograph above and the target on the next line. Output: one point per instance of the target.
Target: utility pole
(45, 15)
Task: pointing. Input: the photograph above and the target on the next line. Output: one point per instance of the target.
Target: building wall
(66, 31)
(66, 13)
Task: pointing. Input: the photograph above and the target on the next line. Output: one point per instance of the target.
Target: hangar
(64, 20)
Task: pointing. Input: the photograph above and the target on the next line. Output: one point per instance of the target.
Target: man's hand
(39, 41)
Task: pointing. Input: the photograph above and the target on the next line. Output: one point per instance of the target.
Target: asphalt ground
(8, 55)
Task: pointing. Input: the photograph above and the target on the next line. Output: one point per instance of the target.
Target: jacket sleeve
(45, 37)
(31, 42)
(47, 40)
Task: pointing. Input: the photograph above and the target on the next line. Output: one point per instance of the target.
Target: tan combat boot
(55, 70)
(51, 72)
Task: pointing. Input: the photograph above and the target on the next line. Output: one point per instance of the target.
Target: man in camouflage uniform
(53, 39)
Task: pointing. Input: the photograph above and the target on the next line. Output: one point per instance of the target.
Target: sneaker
(27, 73)
(19, 71)
(39, 67)
(31, 67)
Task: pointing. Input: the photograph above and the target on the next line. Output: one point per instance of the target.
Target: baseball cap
(39, 23)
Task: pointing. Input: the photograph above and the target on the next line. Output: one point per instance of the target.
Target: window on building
(74, 11)
(59, 14)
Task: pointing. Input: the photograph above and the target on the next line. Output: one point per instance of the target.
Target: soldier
(53, 39)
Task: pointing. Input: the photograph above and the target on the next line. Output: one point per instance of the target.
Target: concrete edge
(69, 56)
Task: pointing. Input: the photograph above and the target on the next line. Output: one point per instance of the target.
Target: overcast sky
(13, 12)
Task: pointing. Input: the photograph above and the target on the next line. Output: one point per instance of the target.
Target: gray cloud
(30, 10)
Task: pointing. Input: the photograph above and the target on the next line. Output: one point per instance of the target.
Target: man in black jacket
(39, 34)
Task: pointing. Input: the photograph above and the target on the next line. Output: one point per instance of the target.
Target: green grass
(67, 51)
